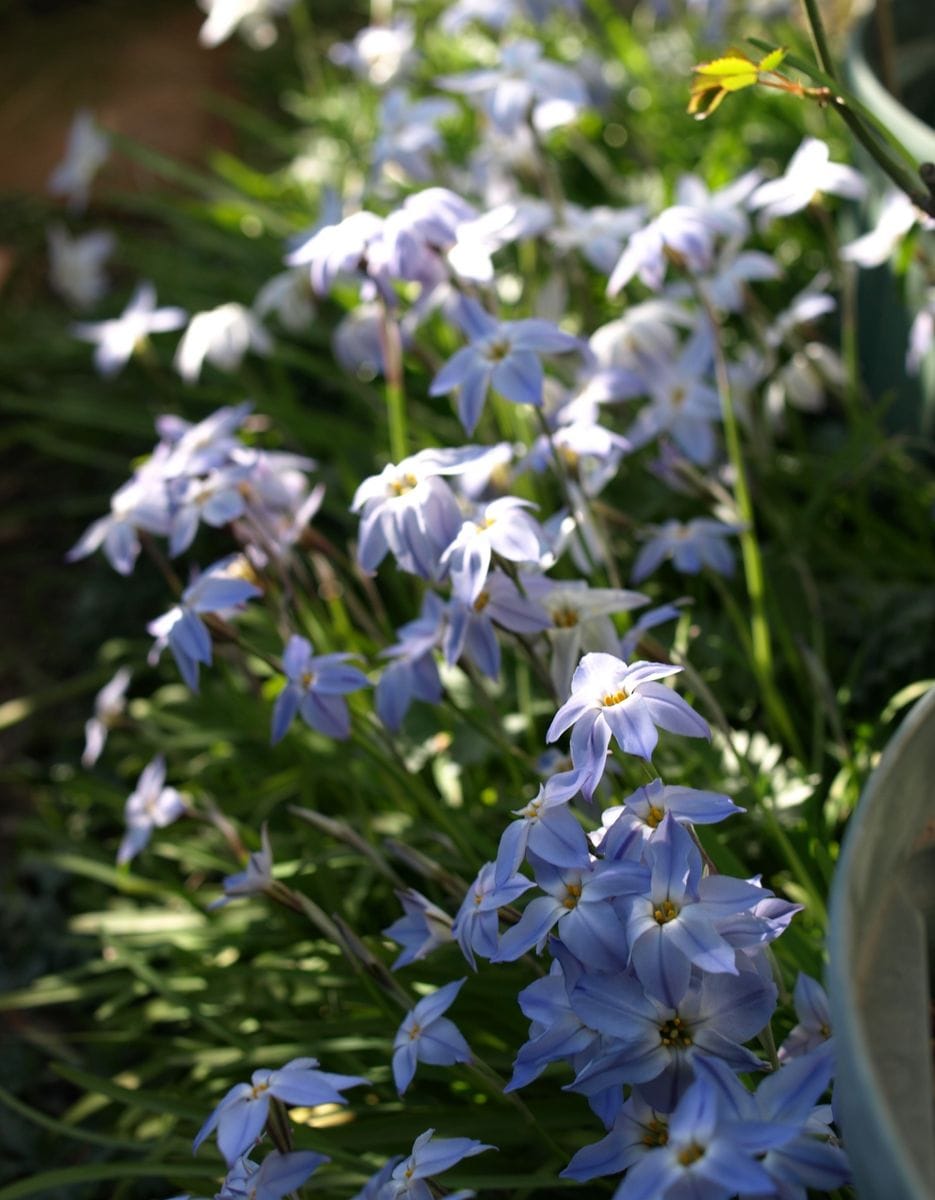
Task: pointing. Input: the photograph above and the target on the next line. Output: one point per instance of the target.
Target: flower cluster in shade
(659, 978)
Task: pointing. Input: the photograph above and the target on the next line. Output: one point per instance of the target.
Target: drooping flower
(256, 877)
(814, 1013)
(427, 1036)
(109, 704)
(610, 698)
(421, 930)
(221, 336)
(151, 805)
(316, 687)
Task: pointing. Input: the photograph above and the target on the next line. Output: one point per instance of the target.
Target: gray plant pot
(882, 956)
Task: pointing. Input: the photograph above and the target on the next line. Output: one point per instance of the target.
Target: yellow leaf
(730, 73)
(769, 62)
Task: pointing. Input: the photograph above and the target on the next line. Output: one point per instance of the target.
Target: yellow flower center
(402, 484)
(690, 1154)
(307, 679)
(565, 618)
(654, 816)
(657, 1133)
(498, 350)
(612, 698)
(674, 1033)
(665, 912)
(258, 1089)
(572, 895)
(482, 601)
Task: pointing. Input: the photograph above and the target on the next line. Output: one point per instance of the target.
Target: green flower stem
(391, 344)
(760, 641)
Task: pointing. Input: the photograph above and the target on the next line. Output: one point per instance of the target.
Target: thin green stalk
(391, 345)
(760, 641)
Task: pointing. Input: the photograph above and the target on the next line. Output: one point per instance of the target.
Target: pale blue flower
(476, 924)
(524, 86)
(472, 628)
(277, 1176)
(87, 150)
(691, 545)
(814, 1025)
(654, 1045)
(140, 504)
(408, 509)
(256, 877)
(705, 1156)
(430, 1156)
(503, 528)
(117, 340)
(422, 929)
(151, 805)
(316, 687)
(610, 698)
(219, 588)
(505, 356)
(408, 133)
(546, 829)
(576, 907)
(427, 1036)
(810, 170)
(241, 1115)
(627, 827)
(581, 623)
(337, 251)
(412, 673)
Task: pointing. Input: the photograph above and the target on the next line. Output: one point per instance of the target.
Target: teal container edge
(880, 970)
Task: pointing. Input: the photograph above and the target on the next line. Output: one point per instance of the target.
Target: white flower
(119, 339)
(252, 17)
(223, 336)
(289, 296)
(86, 152)
(76, 265)
(378, 53)
(897, 216)
(809, 172)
